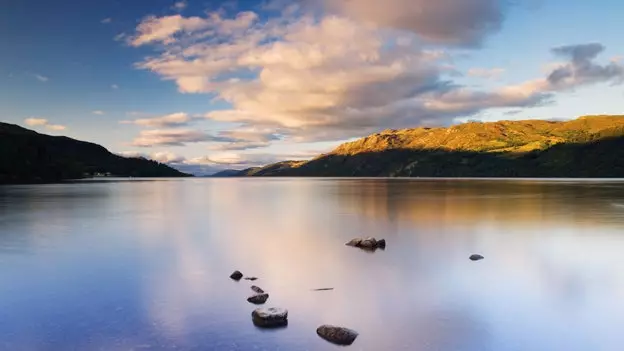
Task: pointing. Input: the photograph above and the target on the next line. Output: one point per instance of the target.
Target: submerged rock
(258, 299)
(251, 278)
(337, 335)
(476, 257)
(272, 317)
(237, 275)
(257, 290)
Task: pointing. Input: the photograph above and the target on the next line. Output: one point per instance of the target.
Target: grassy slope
(585, 147)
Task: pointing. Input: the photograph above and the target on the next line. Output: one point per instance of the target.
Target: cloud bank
(207, 165)
(353, 68)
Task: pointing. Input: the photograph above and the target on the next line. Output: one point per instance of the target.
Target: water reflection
(130, 265)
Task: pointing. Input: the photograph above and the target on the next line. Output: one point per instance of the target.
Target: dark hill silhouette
(29, 157)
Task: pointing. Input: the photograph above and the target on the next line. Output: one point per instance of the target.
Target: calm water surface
(144, 265)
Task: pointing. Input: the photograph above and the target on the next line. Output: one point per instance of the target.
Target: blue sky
(206, 85)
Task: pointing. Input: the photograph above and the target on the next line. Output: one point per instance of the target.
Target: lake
(145, 264)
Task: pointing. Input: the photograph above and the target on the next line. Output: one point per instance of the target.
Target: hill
(589, 146)
(226, 173)
(27, 156)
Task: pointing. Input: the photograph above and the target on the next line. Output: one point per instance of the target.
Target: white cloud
(106, 20)
(246, 138)
(169, 137)
(242, 139)
(120, 37)
(179, 6)
(41, 78)
(163, 29)
(98, 112)
(172, 120)
(42, 122)
(115, 86)
(35, 121)
(335, 77)
(56, 127)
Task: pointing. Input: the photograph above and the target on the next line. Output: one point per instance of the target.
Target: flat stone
(476, 257)
(237, 275)
(272, 317)
(258, 299)
(251, 278)
(257, 290)
(337, 335)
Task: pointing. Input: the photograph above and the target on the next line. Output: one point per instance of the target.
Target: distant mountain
(226, 173)
(27, 156)
(274, 169)
(591, 146)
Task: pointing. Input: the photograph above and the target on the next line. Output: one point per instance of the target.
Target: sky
(208, 85)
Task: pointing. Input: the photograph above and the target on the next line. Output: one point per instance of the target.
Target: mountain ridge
(528, 148)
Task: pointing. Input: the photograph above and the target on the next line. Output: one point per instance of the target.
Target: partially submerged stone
(251, 278)
(369, 244)
(354, 242)
(337, 335)
(257, 289)
(258, 299)
(237, 275)
(272, 317)
(381, 243)
(476, 257)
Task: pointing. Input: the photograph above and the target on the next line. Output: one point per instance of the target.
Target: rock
(251, 278)
(237, 275)
(354, 242)
(370, 244)
(258, 299)
(476, 257)
(323, 289)
(272, 317)
(257, 290)
(381, 243)
(337, 335)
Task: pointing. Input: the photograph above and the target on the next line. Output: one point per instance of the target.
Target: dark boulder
(272, 317)
(368, 244)
(381, 243)
(237, 275)
(258, 299)
(476, 257)
(337, 335)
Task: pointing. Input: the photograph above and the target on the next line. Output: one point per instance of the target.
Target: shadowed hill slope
(27, 156)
